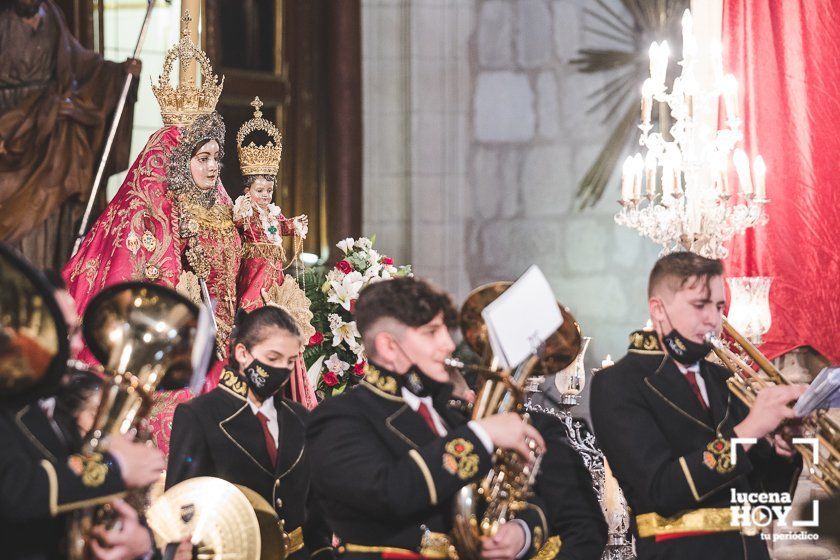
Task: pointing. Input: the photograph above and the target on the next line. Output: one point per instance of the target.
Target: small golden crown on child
(259, 160)
(181, 105)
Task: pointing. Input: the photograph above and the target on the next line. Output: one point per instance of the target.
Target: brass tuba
(33, 334)
(745, 383)
(143, 335)
(481, 508)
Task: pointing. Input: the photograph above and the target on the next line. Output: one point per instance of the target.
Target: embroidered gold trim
(268, 251)
(716, 520)
(645, 342)
(295, 540)
(233, 383)
(55, 508)
(379, 380)
(459, 458)
(427, 475)
(549, 550)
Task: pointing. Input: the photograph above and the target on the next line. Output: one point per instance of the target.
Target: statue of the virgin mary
(171, 222)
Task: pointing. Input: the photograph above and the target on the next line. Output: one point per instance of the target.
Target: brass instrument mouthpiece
(454, 363)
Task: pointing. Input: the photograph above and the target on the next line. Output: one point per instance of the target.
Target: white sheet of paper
(823, 392)
(522, 318)
(203, 347)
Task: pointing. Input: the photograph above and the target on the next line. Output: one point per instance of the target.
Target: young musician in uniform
(244, 431)
(665, 419)
(387, 457)
(42, 475)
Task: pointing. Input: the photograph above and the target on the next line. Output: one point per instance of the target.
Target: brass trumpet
(481, 508)
(745, 383)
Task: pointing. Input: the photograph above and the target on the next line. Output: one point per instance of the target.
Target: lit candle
(650, 173)
(658, 63)
(721, 171)
(742, 168)
(689, 43)
(760, 171)
(627, 179)
(607, 361)
(717, 62)
(638, 171)
(730, 97)
(647, 100)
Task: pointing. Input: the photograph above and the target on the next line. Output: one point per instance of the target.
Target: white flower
(372, 272)
(344, 332)
(334, 275)
(364, 243)
(336, 365)
(345, 244)
(347, 290)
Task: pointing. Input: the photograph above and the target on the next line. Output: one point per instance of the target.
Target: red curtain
(786, 57)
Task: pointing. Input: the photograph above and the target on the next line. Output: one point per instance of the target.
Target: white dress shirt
(695, 368)
(413, 401)
(268, 410)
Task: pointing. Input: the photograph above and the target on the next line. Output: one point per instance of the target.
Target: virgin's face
(262, 191)
(204, 166)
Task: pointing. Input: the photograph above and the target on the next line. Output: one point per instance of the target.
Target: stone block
(495, 35)
(509, 247)
(588, 243)
(494, 182)
(566, 16)
(428, 144)
(546, 180)
(548, 106)
(504, 108)
(533, 33)
(596, 299)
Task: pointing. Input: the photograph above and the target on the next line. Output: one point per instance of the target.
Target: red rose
(359, 368)
(316, 339)
(387, 260)
(330, 379)
(344, 266)
(352, 306)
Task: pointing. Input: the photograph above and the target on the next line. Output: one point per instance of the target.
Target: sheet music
(823, 392)
(522, 318)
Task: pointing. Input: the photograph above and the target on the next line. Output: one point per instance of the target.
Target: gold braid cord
(291, 298)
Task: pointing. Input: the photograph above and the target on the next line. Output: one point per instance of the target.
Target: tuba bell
(481, 508)
(33, 334)
(823, 466)
(143, 335)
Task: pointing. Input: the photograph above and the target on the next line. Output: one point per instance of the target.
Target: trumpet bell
(33, 334)
(561, 348)
(144, 330)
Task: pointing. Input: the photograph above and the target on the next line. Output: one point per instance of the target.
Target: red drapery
(786, 57)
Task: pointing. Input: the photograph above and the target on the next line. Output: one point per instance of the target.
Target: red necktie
(427, 416)
(270, 444)
(691, 377)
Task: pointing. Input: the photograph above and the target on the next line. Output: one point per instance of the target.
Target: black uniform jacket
(40, 480)
(217, 434)
(566, 488)
(670, 456)
(383, 477)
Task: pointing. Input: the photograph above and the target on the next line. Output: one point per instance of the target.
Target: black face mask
(265, 381)
(683, 350)
(421, 384)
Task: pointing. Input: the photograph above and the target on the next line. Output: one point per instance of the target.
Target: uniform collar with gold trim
(382, 382)
(233, 384)
(645, 342)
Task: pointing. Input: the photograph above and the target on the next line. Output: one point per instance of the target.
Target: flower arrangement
(335, 356)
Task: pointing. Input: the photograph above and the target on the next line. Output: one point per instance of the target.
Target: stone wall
(476, 136)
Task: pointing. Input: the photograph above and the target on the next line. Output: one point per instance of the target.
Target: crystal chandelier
(689, 202)
(749, 306)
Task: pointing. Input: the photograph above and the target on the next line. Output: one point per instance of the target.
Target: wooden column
(344, 119)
